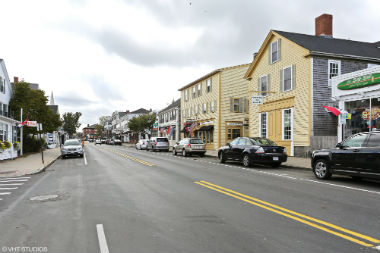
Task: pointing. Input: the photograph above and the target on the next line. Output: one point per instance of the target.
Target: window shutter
(231, 104)
(279, 49)
(281, 80)
(215, 108)
(210, 84)
(245, 104)
(270, 54)
(240, 104)
(293, 76)
(259, 84)
(268, 82)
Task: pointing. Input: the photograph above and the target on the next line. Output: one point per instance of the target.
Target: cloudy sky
(98, 56)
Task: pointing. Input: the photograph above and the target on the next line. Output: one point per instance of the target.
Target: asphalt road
(119, 199)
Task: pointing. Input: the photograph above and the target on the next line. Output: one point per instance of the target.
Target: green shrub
(31, 144)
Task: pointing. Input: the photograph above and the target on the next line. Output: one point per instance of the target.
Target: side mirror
(339, 145)
(228, 144)
(176, 143)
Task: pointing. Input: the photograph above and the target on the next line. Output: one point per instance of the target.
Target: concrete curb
(43, 168)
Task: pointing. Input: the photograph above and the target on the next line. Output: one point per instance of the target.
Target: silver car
(72, 148)
(141, 144)
(158, 144)
(189, 146)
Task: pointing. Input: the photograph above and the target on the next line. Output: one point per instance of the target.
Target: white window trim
(291, 78)
(291, 125)
(260, 129)
(328, 69)
(271, 52)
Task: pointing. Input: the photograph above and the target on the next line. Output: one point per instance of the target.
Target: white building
(127, 135)
(7, 123)
(358, 94)
(169, 122)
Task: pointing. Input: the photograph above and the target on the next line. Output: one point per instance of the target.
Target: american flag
(192, 127)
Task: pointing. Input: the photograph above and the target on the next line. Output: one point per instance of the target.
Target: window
(186, 95)
(205, 108)
(194, 92)
(234, 142)
(1, 132)
(233, 133)
(334, 68)
(287, 124)
(199, 90)
(2, 85)
(373, 140)
(236, 104)
(195, 109)
(263, 85)
(208, 85)
(355, 141)
(274, 52)
(287, 79)
(212, 105)
(263, 125)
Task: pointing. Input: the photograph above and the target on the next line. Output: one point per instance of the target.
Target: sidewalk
(28, 165)
(292, 162)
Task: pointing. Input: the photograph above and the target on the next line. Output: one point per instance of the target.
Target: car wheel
(63, 157)
(81, 155)
(321, 169)
(246, 160)
(275, 165)
(356, 178)
(202, 154)
(222, 157)
(184, 154)
(174, 151)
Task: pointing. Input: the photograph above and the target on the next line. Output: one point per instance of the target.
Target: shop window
(287, 124)
(236, 104)
(212, 136)
(229, 134)
(263, 125)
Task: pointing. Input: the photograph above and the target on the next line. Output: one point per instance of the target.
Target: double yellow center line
(316, 223)
(131, 158)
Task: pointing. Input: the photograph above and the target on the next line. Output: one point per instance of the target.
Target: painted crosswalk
(8, 184)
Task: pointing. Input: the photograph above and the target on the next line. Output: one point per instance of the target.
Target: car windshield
(263, 142)
(196, 141)
(72, 143)
(162, 140)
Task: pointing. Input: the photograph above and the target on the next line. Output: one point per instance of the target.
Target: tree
(34, 105)
(99, 130)
(71, 122)
(142, 124)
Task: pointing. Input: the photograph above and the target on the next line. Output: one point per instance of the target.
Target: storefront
(205, 131)
(358, 94)
(234, 129)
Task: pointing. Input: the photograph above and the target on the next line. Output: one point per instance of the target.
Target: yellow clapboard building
(215, 106)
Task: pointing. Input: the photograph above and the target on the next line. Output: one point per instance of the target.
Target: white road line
(5, 193)
(12, 188)
(9, 178)
(13, 180)
(85, 160)
(11, 184)
(102, 239)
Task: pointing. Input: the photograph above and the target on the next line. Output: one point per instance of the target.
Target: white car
(98, 141)
(141, 144)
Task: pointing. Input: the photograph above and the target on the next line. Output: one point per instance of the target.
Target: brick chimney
(15, 79)
(323, 25)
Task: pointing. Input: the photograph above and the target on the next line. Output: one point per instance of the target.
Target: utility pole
(21, 134)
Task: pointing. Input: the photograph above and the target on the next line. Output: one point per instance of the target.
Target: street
(118, 199)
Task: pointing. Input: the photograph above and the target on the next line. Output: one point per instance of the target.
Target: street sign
(257, 100)
(31, 123)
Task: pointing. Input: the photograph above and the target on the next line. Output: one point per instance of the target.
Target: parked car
(117, 142)
(357, 156)
(104, 141)
(141, 144)
(72, 147)
(190, 146)
(98, 141)
(251, 150)
(158, 143)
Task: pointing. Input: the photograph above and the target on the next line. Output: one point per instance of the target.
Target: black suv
(357, 156)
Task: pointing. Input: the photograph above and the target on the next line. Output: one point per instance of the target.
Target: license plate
(275, 158)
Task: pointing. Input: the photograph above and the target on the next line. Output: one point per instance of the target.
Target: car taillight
(189, 145)
(155, 143)
(143, 143)
(260, 150)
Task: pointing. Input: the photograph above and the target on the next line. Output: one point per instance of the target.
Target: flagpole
(21, 134)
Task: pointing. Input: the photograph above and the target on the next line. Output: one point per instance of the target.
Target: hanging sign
(257, 100)
(360, 82)
(31, 123)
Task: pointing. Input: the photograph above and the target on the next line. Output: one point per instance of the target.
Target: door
(277, 129)
(231, 152)
(369, 161)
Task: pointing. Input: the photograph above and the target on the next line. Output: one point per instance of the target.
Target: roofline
(211, 74)
(346, 56)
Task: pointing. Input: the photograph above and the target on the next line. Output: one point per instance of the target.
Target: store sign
(360, 82)
(234, 124)
(206, 123)
(31, 123)
(375, 113)
(257, 100)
